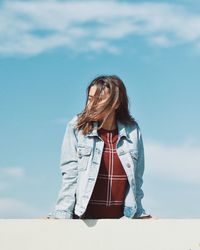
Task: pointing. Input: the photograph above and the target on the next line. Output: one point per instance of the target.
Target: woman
(102, 158)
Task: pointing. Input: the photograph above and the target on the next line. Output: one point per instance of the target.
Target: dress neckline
(108, 131)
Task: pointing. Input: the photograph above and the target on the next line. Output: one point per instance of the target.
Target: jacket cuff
(59, 214)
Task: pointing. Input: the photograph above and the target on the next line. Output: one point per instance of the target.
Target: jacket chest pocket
(84, 153)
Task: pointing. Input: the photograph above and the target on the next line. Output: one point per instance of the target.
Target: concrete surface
(107, 234)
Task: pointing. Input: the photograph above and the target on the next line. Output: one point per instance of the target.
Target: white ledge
(104, 234)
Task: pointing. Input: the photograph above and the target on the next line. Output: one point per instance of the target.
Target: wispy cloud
(180, 163)
(9, 176)
(161, 40)
(34, 27)
(13, 208)
(12, 171)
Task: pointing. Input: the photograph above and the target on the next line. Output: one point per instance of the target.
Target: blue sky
(51, 50)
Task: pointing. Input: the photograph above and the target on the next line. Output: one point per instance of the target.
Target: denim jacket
(80, 162)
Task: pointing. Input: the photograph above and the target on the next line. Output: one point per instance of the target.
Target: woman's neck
(110, 123)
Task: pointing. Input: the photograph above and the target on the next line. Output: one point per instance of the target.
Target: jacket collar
(121, 130)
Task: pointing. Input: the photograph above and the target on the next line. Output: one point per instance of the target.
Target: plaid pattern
(109, 192)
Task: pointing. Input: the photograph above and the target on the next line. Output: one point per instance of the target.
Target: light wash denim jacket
(80, 162)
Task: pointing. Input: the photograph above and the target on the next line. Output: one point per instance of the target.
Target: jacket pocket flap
(84, 151)
(134, 154)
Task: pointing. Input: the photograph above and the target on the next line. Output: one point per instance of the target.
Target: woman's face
(103, 96)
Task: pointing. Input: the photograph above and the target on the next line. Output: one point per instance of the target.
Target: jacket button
(128, 165)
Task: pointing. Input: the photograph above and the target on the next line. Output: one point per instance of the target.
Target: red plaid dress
(108, 196)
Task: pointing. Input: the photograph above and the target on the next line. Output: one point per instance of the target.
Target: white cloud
(3, 186)
(34, 27)
(13, 208)
(180, 163)
(12, 171)
(10, 176)
(160, 40)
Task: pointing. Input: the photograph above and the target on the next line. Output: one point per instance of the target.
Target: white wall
(107, 234)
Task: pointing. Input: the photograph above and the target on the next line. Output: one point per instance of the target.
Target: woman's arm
(68, 166)
(140, 213)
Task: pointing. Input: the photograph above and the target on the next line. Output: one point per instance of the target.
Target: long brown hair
(117, 102)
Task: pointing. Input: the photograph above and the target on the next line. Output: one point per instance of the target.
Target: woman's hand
(147, 217)
(44, 217)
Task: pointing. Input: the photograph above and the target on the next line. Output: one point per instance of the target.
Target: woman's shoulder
(73, 120)
(133, 129)
(71, 123)
(133, 125)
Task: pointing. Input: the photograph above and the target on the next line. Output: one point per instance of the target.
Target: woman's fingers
(148, 217)
(44, 217)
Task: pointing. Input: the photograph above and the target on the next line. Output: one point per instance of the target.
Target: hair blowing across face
(116, 102)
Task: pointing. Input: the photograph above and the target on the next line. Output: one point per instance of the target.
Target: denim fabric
(79, 164)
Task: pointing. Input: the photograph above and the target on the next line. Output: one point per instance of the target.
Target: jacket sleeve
(68, 165)
(139, 177)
